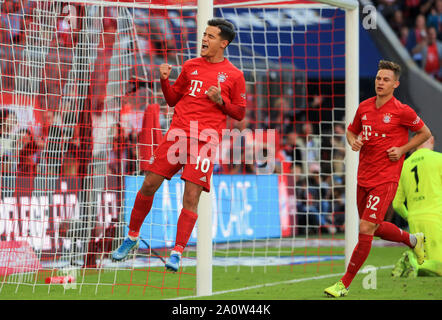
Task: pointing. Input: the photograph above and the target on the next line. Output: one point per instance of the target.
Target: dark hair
(390, 65)
(227, 28)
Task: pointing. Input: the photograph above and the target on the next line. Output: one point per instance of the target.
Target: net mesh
(82, 111)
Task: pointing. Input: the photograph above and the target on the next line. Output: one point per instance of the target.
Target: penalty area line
(271, 284)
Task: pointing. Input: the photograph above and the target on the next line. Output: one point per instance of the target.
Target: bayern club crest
(222, 77)
(387, 118)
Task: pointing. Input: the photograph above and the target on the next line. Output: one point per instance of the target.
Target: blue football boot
(124, 249)
(173, 263)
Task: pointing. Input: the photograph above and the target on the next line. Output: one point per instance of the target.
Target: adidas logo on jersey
(373, 216)
(195, 73)
(364, 117)
(203, 179)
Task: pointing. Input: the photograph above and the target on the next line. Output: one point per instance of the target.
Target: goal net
(82, 112)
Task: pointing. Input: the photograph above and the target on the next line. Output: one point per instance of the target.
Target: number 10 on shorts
(205, 164)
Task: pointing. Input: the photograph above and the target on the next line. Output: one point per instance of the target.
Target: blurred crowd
(307, 153)
(418, 25)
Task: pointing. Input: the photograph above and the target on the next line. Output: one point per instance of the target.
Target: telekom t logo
(366, 131)
(195, 86)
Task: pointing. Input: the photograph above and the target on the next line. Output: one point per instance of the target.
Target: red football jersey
(192, 104)
(382, 129)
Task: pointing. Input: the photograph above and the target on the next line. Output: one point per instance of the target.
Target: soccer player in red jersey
(208, 89)
(379, 132)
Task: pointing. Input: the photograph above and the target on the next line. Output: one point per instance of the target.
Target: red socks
(141, 208)
(360, 254)
(386, 231)
(186, 222)
(390, 232)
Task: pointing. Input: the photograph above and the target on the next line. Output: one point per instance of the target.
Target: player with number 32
(379, 131)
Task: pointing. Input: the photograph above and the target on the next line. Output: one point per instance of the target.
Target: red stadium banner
(48, 223)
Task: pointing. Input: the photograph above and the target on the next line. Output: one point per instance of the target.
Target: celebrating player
(207, 90)
(420, 186)
(380, 132)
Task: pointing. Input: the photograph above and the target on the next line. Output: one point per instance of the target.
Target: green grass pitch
(294, 282)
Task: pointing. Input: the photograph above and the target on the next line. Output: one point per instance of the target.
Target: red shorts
(195, 157)
(373, 202)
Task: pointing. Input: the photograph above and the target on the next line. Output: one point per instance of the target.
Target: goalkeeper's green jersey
(420, 185)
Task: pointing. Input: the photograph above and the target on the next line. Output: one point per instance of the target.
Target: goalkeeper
(420, 185)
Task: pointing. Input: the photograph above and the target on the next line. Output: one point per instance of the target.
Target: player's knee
(191, 198)
(190, 202)
(366, 227)
(147, 189)
(150, 184)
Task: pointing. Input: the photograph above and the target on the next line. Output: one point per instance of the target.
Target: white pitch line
(273, 284)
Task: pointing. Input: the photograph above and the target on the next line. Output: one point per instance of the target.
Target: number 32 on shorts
(372, 202)
(205, 164)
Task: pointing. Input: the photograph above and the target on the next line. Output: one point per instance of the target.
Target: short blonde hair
(390, 65)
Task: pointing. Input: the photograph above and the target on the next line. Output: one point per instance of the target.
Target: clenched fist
(395, 153)
(214, 94)
(165, 69)
(356, 144)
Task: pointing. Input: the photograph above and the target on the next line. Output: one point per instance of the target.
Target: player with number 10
(208, 89)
